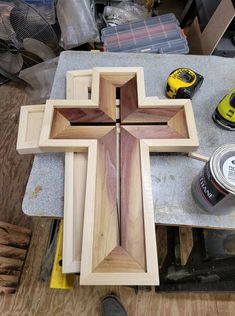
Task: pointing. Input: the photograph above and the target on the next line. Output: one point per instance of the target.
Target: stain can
(214, 187)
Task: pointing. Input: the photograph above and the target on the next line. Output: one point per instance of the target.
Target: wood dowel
(197, 156)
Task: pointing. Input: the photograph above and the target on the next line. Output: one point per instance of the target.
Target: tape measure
(224, 114)
(182, 83)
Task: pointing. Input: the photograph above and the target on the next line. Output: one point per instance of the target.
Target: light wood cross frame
(119, 245)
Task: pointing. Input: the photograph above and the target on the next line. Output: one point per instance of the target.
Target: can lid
(222, 164)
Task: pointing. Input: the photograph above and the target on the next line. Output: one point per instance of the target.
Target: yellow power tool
(182, 83)
(224, 114)
(58, 279)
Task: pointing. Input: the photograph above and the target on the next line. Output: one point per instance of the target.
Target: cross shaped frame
(118, 234)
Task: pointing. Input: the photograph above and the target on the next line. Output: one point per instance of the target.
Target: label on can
(211, 190)
(229, 170)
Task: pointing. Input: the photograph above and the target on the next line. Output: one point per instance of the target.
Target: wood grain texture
(114, 253)
(107, 98)
(87, 115)
(8, 280)
(150, 115)
(179, 124)
(83, 132)
(15, 168)
(106, 253)
(30, 124)
(74, 200)
(14, 239)
(78, 84)
(106, 230)
(7, 290)
(191, 124)
(149, 225)
(171, 145)
(11, 228)
(159, 132)
(132, 215)
(131, 90)
(117, 79)
(34, 297)
(10, 264)
(14, 242)
(118, 261)
(133, 102)
(59, 124)
(75, 184)
(186, 243)
(128, 98)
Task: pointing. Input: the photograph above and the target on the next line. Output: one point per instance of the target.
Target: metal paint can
(214, 187)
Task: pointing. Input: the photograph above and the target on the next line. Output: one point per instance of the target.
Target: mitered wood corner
(118, 243)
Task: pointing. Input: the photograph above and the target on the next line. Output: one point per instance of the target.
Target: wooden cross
(119, 245)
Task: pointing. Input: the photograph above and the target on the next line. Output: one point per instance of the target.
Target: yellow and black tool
(224, 114)
(58, 279)
(182, 83)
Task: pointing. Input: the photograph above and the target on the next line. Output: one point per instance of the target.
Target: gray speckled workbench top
(171, 174)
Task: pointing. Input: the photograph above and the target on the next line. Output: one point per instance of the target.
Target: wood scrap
(186, 243)
(14, 242)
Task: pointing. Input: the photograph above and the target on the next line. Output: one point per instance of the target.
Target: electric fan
(25, 38)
